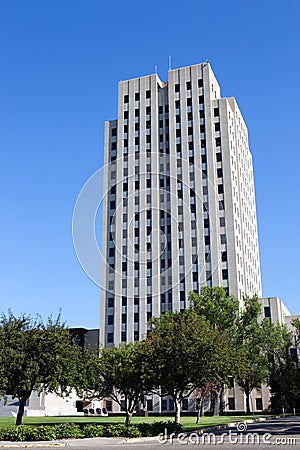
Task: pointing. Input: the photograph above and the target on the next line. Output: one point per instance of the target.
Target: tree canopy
(37, 356)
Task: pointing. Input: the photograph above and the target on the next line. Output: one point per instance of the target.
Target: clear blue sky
(60, 62)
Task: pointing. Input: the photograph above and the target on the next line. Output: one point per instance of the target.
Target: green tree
(37, 356)
(284, 373)
(252, 344)
(216, 306)
(222, 312)
(121, 376)
(185, 352)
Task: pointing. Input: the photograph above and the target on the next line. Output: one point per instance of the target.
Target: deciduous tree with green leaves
(37, 356)
(252, 343)
(216, 306)
(184, 352)
(222, 312)
(121, 376)
(284, 373)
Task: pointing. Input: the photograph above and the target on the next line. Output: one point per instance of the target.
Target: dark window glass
(216, 112)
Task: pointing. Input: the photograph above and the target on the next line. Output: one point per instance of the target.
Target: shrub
(155, 428)
(92, 431)
(68, 430)
(73, 430)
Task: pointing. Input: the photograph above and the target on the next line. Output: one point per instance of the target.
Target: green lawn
(188, 422)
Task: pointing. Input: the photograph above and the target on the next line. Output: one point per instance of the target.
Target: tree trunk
(222, 402)
(128, 418)
(21, 409)
(248, 402)
(217, 404)
(177, 410)
(198, 415)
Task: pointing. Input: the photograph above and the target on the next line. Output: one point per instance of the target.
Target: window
(225, 274)
(177, 104)
(218, 141)
(126, 114)
(177, 88)
(224, 256)
(231, 403)
(164, 404)
(189, 101)
(111, 252)
(188, 85)
(200, 83)
(148, 94)
(216, 112)
(149, 404)
(223, 238)
(110, 319)
(108, 405)
(259, 403)
(267, 311)
(222, 221)
(201, 99)
(110, 302)
(137, 113)
(123, 336)
(137, 96)
(114, 132)
(220, 189)
(126, 98)
(221, 206)
(217, 126)
(219, 173)
(124, 301)
(110, 338)
(185, 404)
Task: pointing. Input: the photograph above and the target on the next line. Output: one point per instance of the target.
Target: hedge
(73, 430)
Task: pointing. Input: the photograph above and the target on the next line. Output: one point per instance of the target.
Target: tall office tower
(179, 211)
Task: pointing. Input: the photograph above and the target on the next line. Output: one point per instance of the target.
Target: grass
(188, 422)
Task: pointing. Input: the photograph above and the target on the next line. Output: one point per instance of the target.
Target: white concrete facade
(180, 206)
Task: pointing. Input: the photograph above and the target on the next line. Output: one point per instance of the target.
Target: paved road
(284, 433)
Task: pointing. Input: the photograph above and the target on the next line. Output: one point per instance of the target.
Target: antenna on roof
(155, 69)
(170, 62)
